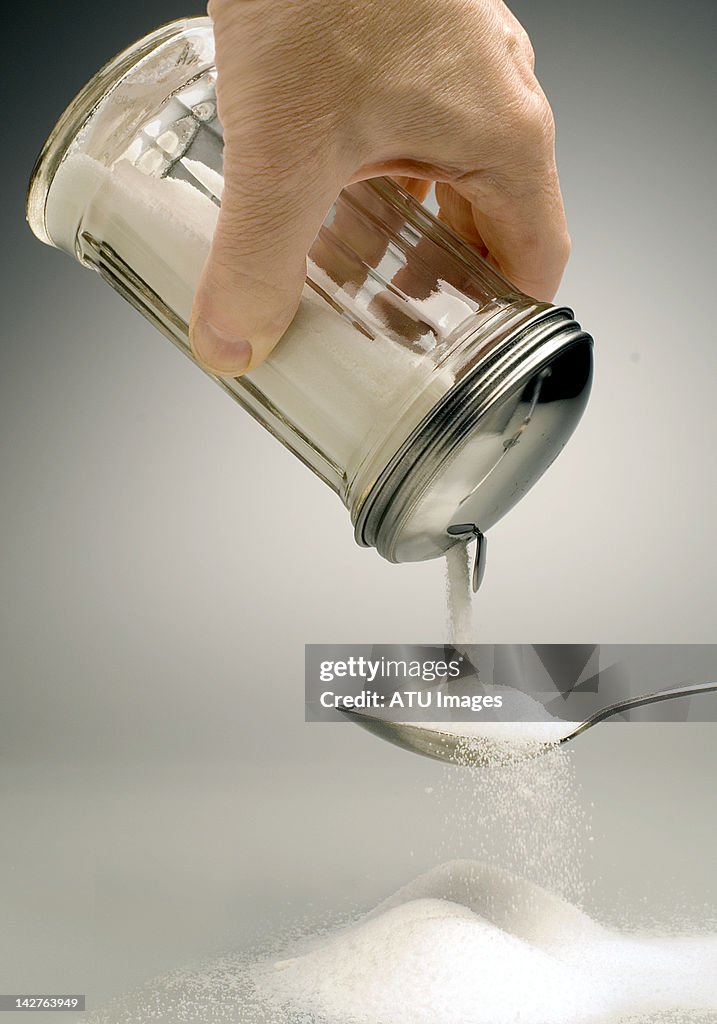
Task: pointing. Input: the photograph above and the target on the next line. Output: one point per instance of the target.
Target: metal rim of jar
(505, 370)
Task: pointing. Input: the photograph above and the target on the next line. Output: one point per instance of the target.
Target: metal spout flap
(466, 531)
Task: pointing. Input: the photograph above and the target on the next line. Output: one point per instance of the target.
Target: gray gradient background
(164, 560)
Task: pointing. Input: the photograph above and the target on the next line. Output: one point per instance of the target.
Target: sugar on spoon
(443, 745)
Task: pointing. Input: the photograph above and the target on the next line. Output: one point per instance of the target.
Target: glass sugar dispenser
(415, 381)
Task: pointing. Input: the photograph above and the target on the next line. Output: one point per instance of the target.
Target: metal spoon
(446, 746)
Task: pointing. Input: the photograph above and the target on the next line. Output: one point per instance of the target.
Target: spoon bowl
(486, 748)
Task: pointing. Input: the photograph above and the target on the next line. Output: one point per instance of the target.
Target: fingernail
(224, 354)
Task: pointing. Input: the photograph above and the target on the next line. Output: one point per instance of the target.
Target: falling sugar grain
(519, 809)
(511, 797)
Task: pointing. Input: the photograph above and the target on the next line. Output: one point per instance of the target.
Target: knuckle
(518, 43)
(220, 10)
(534, 120)
(528, 51)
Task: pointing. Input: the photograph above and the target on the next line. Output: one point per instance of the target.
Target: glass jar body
(411, 369)
(394, 304)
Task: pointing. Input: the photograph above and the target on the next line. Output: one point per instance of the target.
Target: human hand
(314, 96)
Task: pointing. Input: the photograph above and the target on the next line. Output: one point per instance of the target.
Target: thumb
(272, 210)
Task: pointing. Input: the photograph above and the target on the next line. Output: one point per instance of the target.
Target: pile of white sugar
(467, 944)
(462, 944)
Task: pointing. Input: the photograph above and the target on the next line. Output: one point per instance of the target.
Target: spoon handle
(686, 690)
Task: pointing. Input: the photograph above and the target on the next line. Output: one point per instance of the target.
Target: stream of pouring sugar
(458, 595)
(513, 797)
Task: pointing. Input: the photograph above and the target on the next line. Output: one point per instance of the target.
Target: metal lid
(484, 445)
